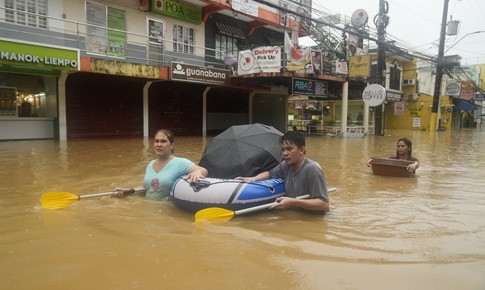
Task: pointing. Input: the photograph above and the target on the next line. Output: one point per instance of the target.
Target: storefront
(29, 89)
(316, 107)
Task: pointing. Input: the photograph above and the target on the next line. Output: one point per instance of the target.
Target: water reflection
(424, 232)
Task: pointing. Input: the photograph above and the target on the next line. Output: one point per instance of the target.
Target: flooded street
(424, 232)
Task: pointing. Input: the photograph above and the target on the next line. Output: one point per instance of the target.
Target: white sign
(341, 67)
(246, 6)
(417, 122)
(261, 59)
(374, 95)
(359, 18)
(453, 89)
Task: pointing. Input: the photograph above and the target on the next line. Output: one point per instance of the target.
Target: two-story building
(82, 68)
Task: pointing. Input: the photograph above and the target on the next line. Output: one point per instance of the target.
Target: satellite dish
(359, 18)
(229, 59)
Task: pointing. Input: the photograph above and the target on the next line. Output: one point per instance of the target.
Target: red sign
(468, 90)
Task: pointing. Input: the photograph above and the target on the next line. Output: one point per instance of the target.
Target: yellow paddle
(219, 214)
(58, 200)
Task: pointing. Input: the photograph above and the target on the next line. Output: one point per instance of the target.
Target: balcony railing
(138, 48)
(135, 47)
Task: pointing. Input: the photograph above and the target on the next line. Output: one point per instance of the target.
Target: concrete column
(61, 86)
(345, 105)
(366, 118)
(145, 108)
(204, 111)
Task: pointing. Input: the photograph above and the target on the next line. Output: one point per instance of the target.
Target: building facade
(76, 69)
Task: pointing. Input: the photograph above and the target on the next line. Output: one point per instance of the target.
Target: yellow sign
(359, 65)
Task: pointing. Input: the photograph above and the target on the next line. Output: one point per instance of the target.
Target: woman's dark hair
(409, 144)
(294, 137)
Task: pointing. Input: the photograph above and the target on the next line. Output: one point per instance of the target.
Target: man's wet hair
(293, 137)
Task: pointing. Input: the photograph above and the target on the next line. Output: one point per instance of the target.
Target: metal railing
(138, 48)
(73, 34)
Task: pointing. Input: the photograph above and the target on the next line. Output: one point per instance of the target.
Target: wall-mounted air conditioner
(409, 82)
(413, 97)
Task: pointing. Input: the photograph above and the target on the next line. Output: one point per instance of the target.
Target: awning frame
(230, 30)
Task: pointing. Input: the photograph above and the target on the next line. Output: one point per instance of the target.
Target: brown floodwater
(424, 232)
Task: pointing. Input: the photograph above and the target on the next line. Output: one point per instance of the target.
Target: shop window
(156, 36)
(183, 39)
(26, 12)
(395, 76)
(31, 105)
(27, 96)
(106, 29)
(373, 72)
(225, 44)
(8, 102)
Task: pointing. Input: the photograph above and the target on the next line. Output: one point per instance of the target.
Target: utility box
(452, 27)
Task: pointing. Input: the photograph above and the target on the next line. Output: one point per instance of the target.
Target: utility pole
(435, 122)
(381, 23)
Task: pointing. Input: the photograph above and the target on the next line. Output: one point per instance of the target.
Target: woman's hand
(413, 166)
(194, 176)
(368, 162)
(118, 192)
(195, 173)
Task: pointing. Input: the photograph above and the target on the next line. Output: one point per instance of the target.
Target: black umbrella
(243, 150)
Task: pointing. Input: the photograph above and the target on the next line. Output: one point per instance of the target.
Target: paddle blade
(216, 214)
(58, 200)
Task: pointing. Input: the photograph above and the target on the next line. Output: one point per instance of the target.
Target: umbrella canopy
(243, 150)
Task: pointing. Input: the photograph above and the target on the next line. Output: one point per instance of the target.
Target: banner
(295, 55)
(317, 61)
(262, 59)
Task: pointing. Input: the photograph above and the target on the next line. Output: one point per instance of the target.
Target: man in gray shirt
(301, 175)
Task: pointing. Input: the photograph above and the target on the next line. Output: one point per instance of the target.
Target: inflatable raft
(230, 194)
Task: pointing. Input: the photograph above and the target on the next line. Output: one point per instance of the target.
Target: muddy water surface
(425, 232)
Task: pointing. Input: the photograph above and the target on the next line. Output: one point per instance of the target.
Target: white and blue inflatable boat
(230, 194)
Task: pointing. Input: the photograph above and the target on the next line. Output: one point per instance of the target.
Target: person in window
(301, 175)
(360, 119)
(162, 172)
(404, 152)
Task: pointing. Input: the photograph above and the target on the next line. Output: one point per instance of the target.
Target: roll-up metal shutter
(100, 105)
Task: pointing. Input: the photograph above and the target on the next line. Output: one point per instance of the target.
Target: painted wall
(136, 22)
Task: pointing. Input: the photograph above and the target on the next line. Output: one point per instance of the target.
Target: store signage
(453, 89)
(177, 10)
(260, 59)
(309, 88)
(15, 53)
(374, 95)
(468, 90)
(359, 66)
(199, 74)
(393, 96)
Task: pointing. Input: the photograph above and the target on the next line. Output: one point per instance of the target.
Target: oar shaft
(265, 206)
(131, 190)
